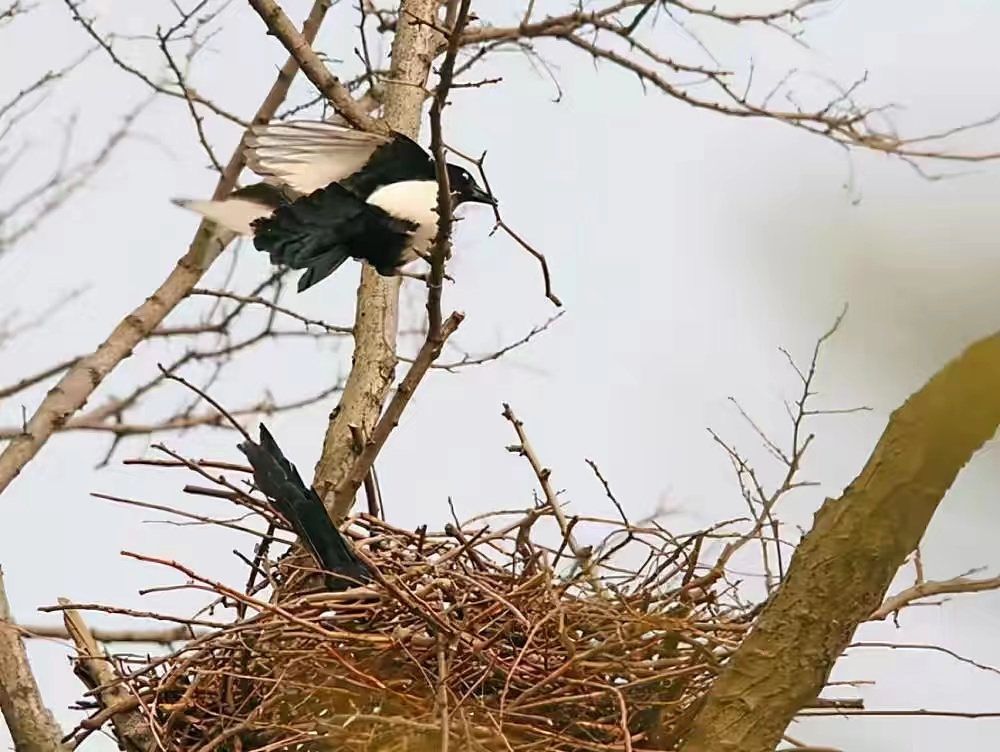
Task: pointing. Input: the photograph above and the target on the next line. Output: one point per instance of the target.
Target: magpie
(331, 193)
(302, 507)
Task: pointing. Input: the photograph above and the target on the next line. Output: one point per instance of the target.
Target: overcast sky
(687, 248)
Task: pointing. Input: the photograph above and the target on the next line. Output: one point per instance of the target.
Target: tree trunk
(376, 321)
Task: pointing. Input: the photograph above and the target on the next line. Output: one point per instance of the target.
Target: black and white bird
(302, 507)
(333, 193)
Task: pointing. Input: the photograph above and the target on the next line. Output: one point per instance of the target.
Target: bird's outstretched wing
(278, 479)
(308, 155)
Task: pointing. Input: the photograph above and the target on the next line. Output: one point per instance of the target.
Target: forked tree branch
(78, 384)
(842, 569)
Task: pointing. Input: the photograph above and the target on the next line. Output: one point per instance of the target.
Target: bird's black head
(465, 188)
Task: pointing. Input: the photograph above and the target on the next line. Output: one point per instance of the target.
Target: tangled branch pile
(478, 637)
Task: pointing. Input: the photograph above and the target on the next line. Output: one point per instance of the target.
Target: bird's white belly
(416, 201)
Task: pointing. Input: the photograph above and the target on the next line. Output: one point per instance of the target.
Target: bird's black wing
(301, 506)
(320, 231)
(400, 159)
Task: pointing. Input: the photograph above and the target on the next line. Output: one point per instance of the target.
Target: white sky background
(687, 248)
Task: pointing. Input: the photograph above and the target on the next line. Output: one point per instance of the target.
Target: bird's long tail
(298, 503)
(240, 209)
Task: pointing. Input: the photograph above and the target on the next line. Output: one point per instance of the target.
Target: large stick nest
(469, 639)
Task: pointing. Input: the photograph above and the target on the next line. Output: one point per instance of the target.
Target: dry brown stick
(442, 688)
(95, 669)
(111, 424)
(914, 713)
(932, 588)
(841, 571)
(258, 300)
(930, 648)
(148, 636)
(500, 224)
(544, 474)
(31, 725)
(623, 720)
(377, 313)
(344, 497)
(134, 614)
(79, 383)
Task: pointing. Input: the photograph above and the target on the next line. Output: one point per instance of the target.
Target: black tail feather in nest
(302, 507)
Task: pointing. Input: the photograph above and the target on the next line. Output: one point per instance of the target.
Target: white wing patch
(308, 155)
(236, 214)
(416, 201)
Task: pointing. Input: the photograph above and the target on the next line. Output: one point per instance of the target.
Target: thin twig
(544, 474)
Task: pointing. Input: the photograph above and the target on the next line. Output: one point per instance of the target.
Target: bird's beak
(478, 196)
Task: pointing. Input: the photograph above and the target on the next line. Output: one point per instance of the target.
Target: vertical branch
(457, 16)
(376, 320)
(31, 725)
(83, 378)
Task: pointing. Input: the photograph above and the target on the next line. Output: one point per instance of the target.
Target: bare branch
(929, 589)
(187, 94)
(147, 636)
(477, 360)
(607, 34)
(110, 422)
(930, 648)
(458, 15)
